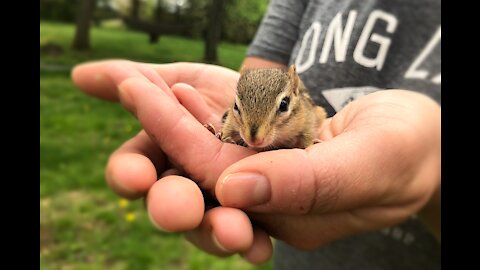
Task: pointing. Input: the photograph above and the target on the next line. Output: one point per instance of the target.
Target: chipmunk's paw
(229, 140)
(315, 141)
(211, 128)
(219, 136)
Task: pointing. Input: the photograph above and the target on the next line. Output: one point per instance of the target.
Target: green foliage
(74, 140)
(89, 230)
(118, 43)
(66, 10)
(242, 20)
(197, 13)
(59, 10)
(147, 9)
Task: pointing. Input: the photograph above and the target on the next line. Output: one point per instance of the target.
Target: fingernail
(218, 245)
(245, 190)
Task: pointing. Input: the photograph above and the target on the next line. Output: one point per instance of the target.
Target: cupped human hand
(175, 142)
(378, 164)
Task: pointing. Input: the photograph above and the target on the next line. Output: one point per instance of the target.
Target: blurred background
(83, 225)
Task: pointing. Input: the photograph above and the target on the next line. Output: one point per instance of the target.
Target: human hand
(379, 163)
(173, 136)
(346, 135)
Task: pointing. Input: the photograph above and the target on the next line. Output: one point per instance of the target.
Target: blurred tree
(135, 12)
(196, 13)
(214, 30)
(242, 19)
(239, 21)
(162, 18)
(58, 10)
(157, 17)
(81, 41)
(104, 10)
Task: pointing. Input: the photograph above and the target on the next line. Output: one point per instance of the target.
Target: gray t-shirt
(344, 49)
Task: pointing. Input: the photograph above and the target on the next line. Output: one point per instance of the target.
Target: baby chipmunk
(272, 110)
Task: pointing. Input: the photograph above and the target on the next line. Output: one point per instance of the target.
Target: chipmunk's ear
(292, 73)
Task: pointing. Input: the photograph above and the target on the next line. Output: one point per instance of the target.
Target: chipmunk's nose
(255, 141)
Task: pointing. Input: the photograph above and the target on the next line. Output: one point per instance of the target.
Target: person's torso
(346, 49)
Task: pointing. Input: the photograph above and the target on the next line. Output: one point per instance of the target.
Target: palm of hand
(215, 84)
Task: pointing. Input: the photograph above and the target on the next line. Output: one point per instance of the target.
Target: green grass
(82, 225)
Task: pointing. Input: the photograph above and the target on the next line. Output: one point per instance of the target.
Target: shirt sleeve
(278, 31)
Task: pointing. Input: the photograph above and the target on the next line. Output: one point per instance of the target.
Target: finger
(182, 138)
(101, 78)
(335, 175)
(184, 72)
(175, 204)
(132, 168)
(195, 74)
(223, 232)
(172, 171)
(191, 99)
(261, 249)
(308, 232)
(91, 78)
(155, 78)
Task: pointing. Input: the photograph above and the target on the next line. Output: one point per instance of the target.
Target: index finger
(101, 78)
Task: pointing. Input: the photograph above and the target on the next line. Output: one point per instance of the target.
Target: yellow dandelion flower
(123, 203)
(130, 217)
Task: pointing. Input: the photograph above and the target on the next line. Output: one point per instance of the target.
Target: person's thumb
(330, 176)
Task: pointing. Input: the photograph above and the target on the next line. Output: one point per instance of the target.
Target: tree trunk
(135, 9)
(157, 17)
(214, 30)
(81, 41)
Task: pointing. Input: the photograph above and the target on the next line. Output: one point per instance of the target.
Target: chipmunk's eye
(284, 104)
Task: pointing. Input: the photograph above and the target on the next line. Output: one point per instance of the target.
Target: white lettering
(437, 79)
(413, 72)
(341, 39)
(381, 40)
(315, 28)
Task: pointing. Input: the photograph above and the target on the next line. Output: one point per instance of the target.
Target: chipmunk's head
(265, 102)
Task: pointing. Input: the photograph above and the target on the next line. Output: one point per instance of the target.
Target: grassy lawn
(83, 225)
(114, 42)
